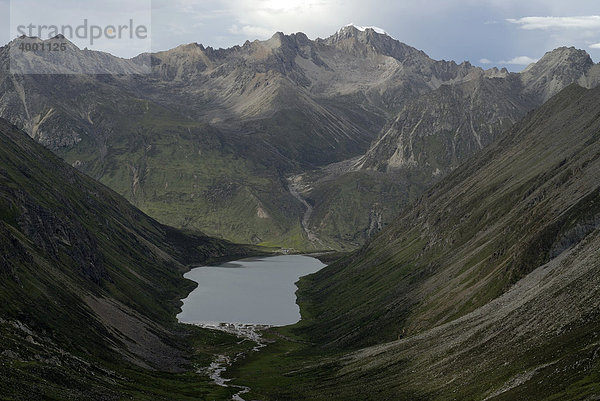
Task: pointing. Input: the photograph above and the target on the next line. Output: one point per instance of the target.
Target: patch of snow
(364, 28)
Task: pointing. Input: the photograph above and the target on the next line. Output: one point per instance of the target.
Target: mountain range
(238, 142)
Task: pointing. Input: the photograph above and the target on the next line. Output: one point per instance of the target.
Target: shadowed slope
(502, 214)
(90, 284)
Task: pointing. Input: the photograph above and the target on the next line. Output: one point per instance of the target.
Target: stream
(247, 332)
(294, 191)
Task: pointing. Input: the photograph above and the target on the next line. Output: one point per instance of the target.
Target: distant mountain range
(213, 139)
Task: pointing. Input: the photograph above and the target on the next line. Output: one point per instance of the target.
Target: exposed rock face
(556, 70)
(441, 129)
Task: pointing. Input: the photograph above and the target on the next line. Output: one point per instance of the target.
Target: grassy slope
(186, 175)
(537, 342)
(89, 287)
(492, 222)
(350, 208)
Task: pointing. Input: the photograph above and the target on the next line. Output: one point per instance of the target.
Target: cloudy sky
(509, 33)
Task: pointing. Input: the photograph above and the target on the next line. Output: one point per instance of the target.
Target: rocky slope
(486, 288)
(465, 117)
(90, 285)
(437, 131)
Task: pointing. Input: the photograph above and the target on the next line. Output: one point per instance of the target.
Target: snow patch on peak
(364, 28)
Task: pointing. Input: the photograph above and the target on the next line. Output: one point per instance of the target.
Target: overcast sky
(508, 33)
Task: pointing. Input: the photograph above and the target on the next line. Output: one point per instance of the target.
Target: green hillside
(91, 286)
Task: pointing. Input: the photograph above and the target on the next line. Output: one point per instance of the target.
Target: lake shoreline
(255, 290)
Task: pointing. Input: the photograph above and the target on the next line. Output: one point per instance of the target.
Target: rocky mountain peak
(278, 36)
(352, 29)
(372, 40)
(289, 41)
(360, 34)
(566, 55)
(58, 55)
(555, 70)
